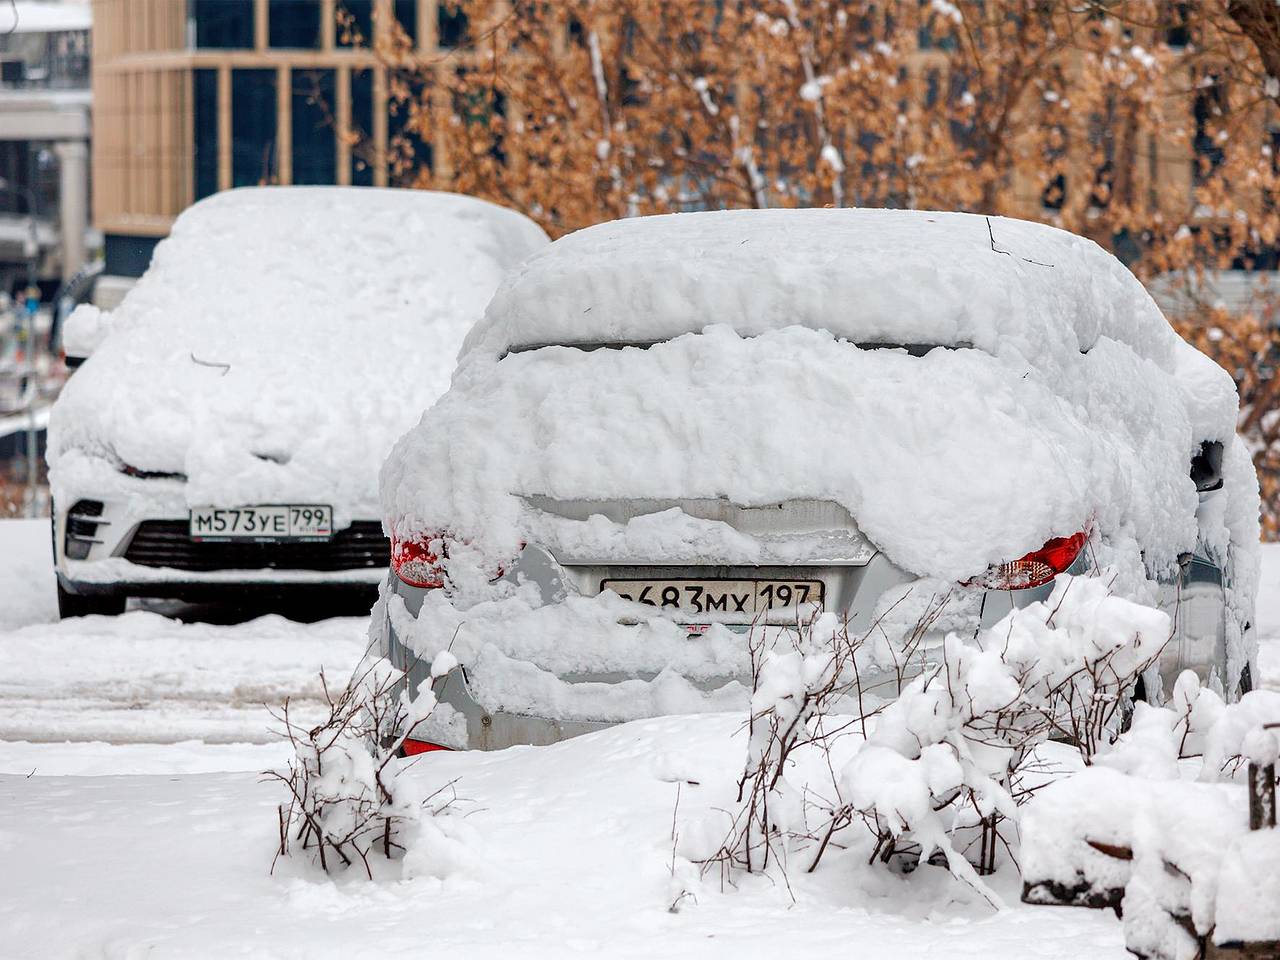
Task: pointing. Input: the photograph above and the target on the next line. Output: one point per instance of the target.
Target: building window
(314, 143)
(204, 127)
(451, 24)
(294, 24)
(1178, 32)
(222, 24)
(362, 127)
(355, 23)
(1210, 105)
(406, 12)
(407, 151)
(253, 127)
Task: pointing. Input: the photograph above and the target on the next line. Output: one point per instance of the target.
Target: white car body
(893, 406)
(281, 340)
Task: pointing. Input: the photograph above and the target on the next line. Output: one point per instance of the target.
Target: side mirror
(83, 332)
(1206, 466)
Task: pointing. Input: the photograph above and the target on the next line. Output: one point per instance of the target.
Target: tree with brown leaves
(1145, 125)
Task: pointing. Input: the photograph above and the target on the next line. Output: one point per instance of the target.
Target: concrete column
(73, 202)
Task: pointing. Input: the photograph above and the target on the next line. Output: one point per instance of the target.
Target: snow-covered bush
(941, 767)
(344, 801)
(1159, 828)
(947, 754)
(796, 676)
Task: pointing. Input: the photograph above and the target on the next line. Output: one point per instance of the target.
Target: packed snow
(268, 379)
(548, 852)
(1180, 851)
(867, 276)
(1067, 377)
(166, 847)
(26, 574)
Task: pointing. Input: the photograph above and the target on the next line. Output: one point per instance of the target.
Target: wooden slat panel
(328, 25)
(380, 127)
(342, 124)
(261, 25)
(284, 125)
(224, 128)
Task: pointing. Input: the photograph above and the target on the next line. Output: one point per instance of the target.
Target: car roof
(866, 275)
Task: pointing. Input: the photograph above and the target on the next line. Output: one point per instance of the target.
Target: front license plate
(740, 597)
(268, 522)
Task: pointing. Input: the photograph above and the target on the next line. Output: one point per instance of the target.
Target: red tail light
(418, 562)
(1036, 568)
(414, 747)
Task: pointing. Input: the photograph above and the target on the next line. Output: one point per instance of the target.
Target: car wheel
(78, 605)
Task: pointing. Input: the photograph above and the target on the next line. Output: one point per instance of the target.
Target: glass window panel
(204, 123)
(407, 16)
(407, 150)
(222, 24)
(314, 141)
(451, 23)
(253, 127)
(294, 24)
(357, 15)
(362, 126)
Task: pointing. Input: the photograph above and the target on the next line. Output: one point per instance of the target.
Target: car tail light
(414, 747)
(418, 562)
(1036, 568)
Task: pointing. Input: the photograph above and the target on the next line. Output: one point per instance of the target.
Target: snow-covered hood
(948, 461)
(284, 337)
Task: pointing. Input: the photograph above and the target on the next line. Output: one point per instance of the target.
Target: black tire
(85, 605)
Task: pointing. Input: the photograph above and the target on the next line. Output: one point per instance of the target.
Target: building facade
(197, 96)
(44, 142)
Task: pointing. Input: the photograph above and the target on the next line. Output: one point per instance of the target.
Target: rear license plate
(740, 597)
(268, 522)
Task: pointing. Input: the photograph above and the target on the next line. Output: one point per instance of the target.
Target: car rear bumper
(473, 718)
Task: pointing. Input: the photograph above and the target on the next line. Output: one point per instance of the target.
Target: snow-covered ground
(133, 820)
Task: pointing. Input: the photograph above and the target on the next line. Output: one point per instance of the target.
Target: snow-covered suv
(227, 429)
(668, 432)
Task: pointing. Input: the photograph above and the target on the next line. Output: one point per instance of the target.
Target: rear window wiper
(914, 349)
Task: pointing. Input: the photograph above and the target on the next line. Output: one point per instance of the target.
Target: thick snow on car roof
(1070, 396)
(901, 276)
(283, 337)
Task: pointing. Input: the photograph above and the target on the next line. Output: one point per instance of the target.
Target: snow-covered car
(226, 431)
(670, 433)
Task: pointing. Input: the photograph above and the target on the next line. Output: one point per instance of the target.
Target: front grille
(165, 543)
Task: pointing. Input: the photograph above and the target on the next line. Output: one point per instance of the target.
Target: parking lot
(137, 821)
